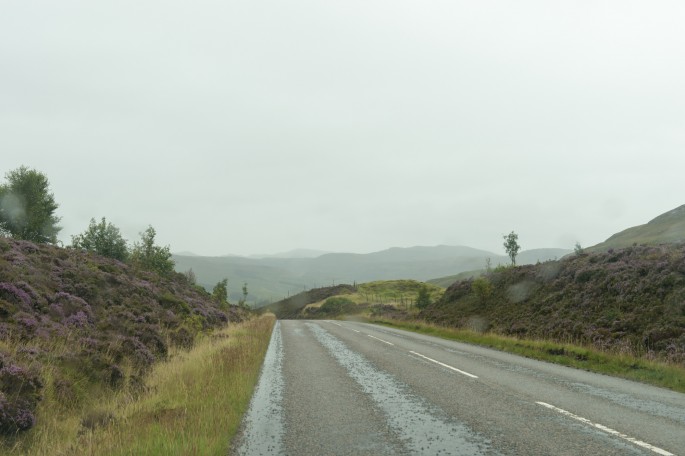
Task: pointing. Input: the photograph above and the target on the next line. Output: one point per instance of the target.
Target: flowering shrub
(12, 293)
(19, 394)
(106, 316)
(77, 320)
(138, 352)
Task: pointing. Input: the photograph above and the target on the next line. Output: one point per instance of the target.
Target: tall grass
(195, 403)
(624, 365)
(191, 404)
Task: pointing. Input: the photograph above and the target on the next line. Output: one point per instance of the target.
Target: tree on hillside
(482, 287)
(243, 301)
(578, 249)
(220, 292)
(27, 208)
(102, 238)
(423, 299)
(190, 276)
(511, 246)
(147, 255)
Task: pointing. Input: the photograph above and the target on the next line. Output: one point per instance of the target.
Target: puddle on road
(421, 427)
(263, 425)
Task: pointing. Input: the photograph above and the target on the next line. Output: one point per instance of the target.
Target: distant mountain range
(296, 253)
(275, 277)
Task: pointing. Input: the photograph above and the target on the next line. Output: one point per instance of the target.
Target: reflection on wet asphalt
(424, 429)
(263, 423)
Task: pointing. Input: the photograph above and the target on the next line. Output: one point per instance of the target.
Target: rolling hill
(630, 299)
(272, 278)
(667, 228)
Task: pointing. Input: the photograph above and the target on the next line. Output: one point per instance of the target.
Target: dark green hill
(390, 294)
(292, 306)
(664, 229)
(630, 299)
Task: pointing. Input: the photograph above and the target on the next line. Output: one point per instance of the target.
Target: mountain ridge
(274, 278)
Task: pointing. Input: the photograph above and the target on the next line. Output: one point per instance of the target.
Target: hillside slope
(666, 228)
(292, 306)
(630, 299)
(73, 324)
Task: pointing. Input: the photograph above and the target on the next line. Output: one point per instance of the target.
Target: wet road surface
(346, 388)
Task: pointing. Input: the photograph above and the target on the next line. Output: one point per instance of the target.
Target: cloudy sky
(259, 126)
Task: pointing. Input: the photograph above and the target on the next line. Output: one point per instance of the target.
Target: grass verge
(190, 405)
(587, 358)
(195, 402)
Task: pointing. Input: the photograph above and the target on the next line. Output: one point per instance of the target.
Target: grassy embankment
(191, 405)
(623, 365)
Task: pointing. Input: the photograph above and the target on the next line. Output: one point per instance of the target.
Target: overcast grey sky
(260, 126)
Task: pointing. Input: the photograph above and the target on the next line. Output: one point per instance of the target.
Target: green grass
(195, 402)
(192, 404)
(667, 228)
(622, 365)
(398, 293)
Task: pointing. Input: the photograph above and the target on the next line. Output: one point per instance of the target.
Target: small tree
(423, 299)
(482, 289)
(578, 249)
(190, 276)
(147, 255)
(102, 238)
(242, 302)
(220, 293)
(511, 246)
(27, 208)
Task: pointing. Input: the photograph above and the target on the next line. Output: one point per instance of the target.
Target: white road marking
(444, 365)
(335, 323)
(384, 341)
(607, 430)
(355, 330)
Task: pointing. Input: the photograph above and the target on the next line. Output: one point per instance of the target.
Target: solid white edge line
(444, 365)
(607, 430)
(384, 341)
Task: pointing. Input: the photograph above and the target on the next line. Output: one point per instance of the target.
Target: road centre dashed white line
(384, 341)
(444, 365)
(608, 430)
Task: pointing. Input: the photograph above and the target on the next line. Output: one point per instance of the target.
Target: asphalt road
(345, 388)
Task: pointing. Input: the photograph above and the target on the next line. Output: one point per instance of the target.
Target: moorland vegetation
(83, 324)
(630, 300)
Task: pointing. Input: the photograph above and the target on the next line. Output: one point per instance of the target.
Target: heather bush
(15, 295)
(136, 351)
(20, 391)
